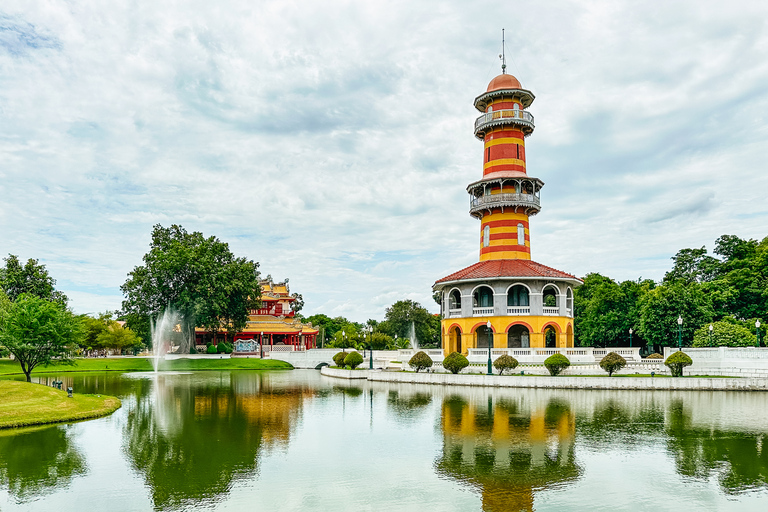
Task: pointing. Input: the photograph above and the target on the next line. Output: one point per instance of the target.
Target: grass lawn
(23, 404)
(142, 364)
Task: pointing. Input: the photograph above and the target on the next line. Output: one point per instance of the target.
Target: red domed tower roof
(504, 82)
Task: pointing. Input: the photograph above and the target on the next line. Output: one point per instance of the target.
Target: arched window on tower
(486, 236)
(520, 234)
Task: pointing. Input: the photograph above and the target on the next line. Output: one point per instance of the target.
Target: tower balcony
(528, 201)
(522, 118)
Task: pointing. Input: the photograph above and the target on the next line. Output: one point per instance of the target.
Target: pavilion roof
(506, 268)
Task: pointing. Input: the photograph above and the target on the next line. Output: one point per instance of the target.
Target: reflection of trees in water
(196, 439)
(408, 406)
(507, 452)
(735, 458)
(35, 462)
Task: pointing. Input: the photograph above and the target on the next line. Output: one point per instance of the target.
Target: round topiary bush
(455, 362)
(556, 363)
(229, 348)
(339, 359)
(420, 361)
(505, 362)
(655, 355)
(211, 349)
(353, 360)
(677, 361)
(192, 350)
(612, 362)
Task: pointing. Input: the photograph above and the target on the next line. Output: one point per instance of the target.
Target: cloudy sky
(332, 141)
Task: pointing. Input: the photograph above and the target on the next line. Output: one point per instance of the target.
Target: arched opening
(483, 298)
(550, 337)
(518, 337)
(454, 301)
(484, 337)
(569, 302)
(551, 298)
(517, 296)
(569, 336)
(454, 340)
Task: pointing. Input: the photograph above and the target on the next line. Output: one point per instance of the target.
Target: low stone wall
(728, 361)
(345, 374)
(560, 382)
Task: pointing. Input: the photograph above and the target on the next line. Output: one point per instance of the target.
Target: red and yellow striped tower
(506, 196)
(506, 300)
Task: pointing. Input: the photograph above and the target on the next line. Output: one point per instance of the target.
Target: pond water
(298, 441)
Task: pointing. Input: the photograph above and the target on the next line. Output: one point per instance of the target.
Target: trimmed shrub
(221, 348)
(725, 334)
(655, 355)
(211, 349)
(353, 360)
(612, 362)
(339, 359)
(192, 350)
(455, 362)
(677, 361)
(505, 362)
(556, 363)
(420, 361)
(229, 348)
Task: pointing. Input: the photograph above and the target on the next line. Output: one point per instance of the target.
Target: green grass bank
(23, 404)
(143, 364)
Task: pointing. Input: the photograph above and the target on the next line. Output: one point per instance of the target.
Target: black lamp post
(490, 345)
(630, 337)
(680, 333)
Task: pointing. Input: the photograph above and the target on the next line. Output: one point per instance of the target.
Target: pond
(295, 440)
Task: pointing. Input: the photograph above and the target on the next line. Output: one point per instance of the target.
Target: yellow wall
(501, 325)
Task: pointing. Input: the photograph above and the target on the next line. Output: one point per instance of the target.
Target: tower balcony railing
(500, 117)
(518, 310)
(454, 312)
(482, 311)
(551, 311)
(505, 199)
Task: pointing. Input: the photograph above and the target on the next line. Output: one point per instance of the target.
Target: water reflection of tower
(505, 452)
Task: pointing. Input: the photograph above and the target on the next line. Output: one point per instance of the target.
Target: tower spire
(503, 55)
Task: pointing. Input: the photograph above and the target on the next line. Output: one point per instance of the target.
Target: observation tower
(527, 304)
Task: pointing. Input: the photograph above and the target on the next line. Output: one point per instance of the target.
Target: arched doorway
(569, 336)
(484, 337)
(550, 337)
(454, 340)
(518, 337)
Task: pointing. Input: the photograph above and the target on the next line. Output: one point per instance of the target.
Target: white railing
(567, 312)
(538, 355)
(482, 311)
(552, 311)
(279, 348)
(521, 116)
(495, 199)
(518, 310)
(454, 313)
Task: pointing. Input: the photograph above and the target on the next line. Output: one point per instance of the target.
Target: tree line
(727, 290)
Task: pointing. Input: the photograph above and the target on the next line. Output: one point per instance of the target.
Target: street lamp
(630, 337)
(261, 344)
(490, 345)
(757, 331)
(680, 333)
(711, 327)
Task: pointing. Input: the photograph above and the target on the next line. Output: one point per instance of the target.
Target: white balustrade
(518, 310)
(482, 311)
(452, 313)
(551, 311)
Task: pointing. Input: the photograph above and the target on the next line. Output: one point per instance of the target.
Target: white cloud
(332, 141)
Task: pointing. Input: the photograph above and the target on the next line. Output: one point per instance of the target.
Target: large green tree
(197, 277)
(661, 307)
(403, 313)
(31, 277)
(39, 332)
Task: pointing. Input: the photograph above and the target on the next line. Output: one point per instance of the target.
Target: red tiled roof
(505, 268)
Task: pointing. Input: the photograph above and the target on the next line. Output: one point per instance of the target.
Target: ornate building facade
(506, 300)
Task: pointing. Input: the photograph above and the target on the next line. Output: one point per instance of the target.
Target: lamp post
(261, 344)
(757, 332)
(490, 345)
(711, 327)
(680, 333)
(630, 337)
